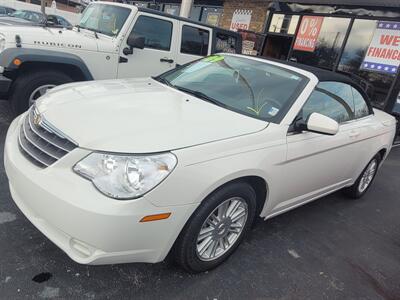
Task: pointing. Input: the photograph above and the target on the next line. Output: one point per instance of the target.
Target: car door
(194, 42)
(158, 55)
(318, 164)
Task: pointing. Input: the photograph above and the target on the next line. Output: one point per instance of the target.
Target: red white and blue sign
(383, 53)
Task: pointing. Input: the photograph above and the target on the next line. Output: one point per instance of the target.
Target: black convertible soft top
(321, 74)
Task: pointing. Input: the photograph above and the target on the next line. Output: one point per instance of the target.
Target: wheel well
(260, 187)
(72, 71)
(382, 153)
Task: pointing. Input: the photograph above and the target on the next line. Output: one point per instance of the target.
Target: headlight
(125, 176)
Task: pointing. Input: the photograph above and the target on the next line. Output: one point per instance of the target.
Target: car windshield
(251, 87)
(28, 15)
(104, 18)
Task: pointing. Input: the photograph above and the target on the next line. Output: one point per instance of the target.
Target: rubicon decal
(47, 43)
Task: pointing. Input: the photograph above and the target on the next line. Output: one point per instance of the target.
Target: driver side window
(325, 101)
(157, 32)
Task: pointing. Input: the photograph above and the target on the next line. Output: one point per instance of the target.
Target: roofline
(163, 14)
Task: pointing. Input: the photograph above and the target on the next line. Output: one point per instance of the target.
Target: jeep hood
(139, 116)
(57, 38)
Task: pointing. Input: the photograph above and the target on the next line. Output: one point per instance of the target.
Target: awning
(381, 3)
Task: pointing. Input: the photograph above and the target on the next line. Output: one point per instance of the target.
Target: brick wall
(258, 8)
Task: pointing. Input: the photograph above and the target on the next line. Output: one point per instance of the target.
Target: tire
(358, 189)
(31, 81)
(187, 248)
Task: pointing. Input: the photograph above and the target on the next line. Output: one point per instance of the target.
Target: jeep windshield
(104, 18)
(248, 86)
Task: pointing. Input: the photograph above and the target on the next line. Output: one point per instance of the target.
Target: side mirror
(322, 124)
(317, 123)
(136, 41)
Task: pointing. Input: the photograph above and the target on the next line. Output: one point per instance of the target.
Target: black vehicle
(55, 20)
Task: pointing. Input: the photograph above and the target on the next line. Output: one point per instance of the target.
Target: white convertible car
(182, 164)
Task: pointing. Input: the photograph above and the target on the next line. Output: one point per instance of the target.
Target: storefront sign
(241, 19)
(383, 54)
(213, 18)
(308, 33)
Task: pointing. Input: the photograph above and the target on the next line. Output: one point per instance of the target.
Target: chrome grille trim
(48, 135)
(40, 143)
(40, 146)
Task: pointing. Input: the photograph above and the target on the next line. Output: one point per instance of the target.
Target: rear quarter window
(194, 40)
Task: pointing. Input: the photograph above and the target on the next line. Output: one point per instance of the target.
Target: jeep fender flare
(25, 55)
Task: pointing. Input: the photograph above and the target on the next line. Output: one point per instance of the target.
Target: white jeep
(112, 41)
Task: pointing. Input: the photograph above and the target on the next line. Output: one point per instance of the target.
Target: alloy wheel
(368, 176)
(221, 229)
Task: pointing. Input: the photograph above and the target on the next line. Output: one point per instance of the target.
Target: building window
(281, 23)
(375, 84)
(328, 44)
(157, 32)
(172, 9)
(195, 13)
(194, 40)
(211, 15)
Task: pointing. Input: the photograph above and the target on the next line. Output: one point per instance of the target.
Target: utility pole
(43, 6)
(186, 8)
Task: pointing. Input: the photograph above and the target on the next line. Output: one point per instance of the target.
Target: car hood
(57, 38)
(139, 116)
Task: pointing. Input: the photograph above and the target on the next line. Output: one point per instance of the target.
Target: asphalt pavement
(333, 248)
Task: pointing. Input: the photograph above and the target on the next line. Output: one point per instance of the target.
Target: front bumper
(89, 227)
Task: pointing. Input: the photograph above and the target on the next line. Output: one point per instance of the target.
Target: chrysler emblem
(37, 119)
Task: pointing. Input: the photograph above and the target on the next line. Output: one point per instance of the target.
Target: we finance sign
(383, 54)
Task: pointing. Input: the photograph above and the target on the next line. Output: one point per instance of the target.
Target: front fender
(25, 55)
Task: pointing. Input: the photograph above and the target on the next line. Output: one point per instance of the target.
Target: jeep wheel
(30, 86)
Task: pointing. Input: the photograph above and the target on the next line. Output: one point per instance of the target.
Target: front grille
(40, 143)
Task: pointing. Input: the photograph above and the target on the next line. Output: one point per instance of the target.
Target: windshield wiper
(90, 29)
(161, 80)
(199, 94)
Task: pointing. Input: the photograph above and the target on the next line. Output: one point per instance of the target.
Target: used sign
(307, 36)
(241, 19)
(383, 54)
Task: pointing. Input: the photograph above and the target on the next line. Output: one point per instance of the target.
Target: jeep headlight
(125, 176)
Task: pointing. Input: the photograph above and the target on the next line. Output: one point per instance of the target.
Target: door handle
(354, 134)
(167, 60)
